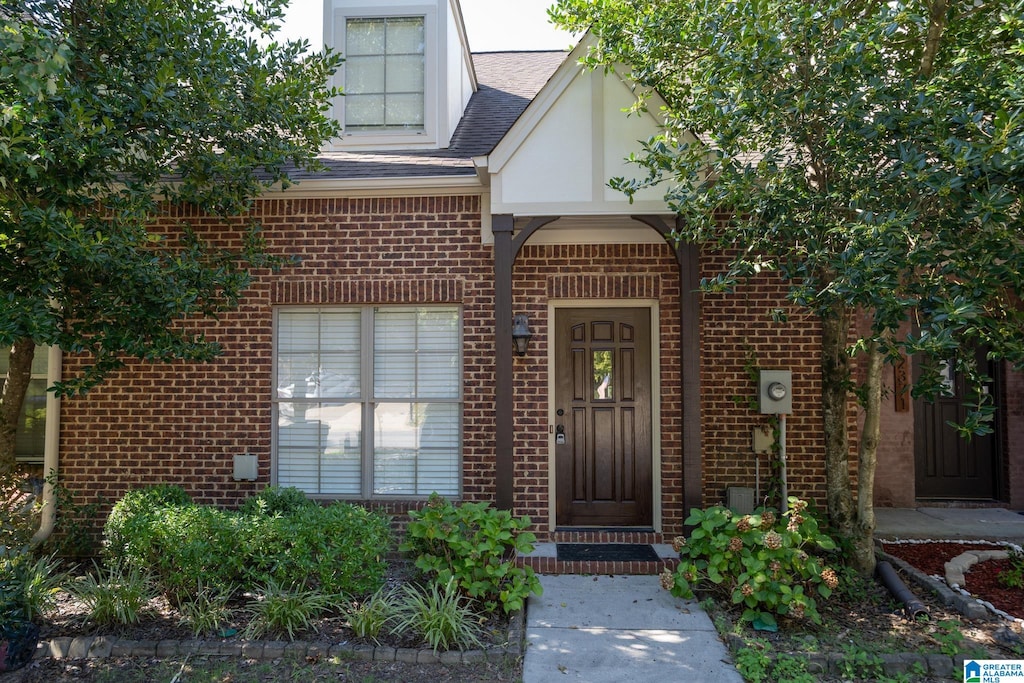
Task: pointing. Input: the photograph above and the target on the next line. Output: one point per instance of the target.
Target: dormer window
(384, 75)
(407, 75)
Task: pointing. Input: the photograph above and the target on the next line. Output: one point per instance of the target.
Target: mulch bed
(982, 581)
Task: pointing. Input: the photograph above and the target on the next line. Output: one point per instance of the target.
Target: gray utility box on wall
(775, 393)
(245, 467)
(740, 499)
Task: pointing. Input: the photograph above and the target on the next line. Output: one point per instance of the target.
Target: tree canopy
(110, 111)
(869, 152)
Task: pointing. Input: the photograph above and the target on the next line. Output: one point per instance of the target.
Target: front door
(603, 451)
(947, 465)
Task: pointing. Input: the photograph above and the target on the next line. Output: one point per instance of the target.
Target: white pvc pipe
(48, 516)
(783, 485)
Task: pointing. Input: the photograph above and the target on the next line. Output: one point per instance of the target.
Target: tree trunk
(12, 398)
(864, 530)
(835, 382)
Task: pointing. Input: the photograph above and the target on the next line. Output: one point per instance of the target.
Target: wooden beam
(504, 399)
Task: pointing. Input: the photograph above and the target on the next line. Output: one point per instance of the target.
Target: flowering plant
(760, 561)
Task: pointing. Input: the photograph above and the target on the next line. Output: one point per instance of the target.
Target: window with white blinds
(368, 401)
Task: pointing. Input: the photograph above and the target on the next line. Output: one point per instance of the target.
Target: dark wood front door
(603, 447)
(947, 465)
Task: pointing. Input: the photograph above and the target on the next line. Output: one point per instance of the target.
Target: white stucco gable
(572, 139)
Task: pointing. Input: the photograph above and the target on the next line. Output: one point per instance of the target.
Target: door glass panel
(602, 373)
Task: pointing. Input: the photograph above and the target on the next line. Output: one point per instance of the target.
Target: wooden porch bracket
(506, 249)
(687, 256)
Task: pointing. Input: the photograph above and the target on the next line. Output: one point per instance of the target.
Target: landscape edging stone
(104, 646)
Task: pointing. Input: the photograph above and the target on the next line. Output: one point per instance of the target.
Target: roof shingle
(507, 83)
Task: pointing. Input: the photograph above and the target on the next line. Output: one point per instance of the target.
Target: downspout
(48, 516)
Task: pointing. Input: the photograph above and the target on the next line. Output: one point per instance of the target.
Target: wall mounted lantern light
(521, 333)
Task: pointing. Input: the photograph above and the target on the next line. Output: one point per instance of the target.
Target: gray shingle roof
(507, 82)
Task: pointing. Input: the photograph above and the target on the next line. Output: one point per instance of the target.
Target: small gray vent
(740, 499)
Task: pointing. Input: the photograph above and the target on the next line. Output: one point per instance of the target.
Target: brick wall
(183, 423)
(739, 336)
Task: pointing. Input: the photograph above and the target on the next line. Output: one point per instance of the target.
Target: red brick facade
(183, 423)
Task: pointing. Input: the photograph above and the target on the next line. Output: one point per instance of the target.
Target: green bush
(19, 518)
(474, 544)
(758, 561)
(131, 514)
(277, 500)
(185, 544)
(337, 549)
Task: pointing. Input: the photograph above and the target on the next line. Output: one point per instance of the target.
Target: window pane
(405, 74)
(404, 110)
(603, 373)
(364, 75)
(384, 74)
(364, 37)
(298, 331)
(416, 353)
(416, 449)
(405, 36)
(318, 447)
(318, 354)
(30, 441)
(30, 438)
(363, 111)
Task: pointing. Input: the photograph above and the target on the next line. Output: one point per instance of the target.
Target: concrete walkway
(988, 524)
(609, 629)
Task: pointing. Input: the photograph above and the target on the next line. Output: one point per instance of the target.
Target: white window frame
(427, 137)
(367, 401)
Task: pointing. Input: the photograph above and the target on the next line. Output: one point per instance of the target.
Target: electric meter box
(775, 392)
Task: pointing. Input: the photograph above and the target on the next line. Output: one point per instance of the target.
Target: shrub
(757, 561)
(276, 500)
(132, 513)
(474, 545)
(338, 549)
(19, 507)
(182, 545)
(439, 616)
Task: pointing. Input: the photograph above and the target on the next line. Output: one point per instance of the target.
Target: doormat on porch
(606, 552)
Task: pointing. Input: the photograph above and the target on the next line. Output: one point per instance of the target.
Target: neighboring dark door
(946, 465)
(603, 417)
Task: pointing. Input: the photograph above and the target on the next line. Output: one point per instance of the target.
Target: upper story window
(384, 74)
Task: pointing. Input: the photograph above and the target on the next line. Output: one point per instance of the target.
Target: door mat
(606, 552)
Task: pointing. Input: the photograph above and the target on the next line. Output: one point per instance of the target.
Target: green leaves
(760, 561)
(474, 545)
(108, 105)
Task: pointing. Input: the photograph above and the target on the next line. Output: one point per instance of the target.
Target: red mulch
(982, 581)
